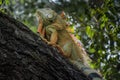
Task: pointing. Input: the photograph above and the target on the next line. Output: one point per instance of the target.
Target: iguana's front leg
(53, 35)
(53, 38)
(40, 26)
(41, 29)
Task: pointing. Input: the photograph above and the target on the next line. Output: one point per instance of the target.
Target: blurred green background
(96, 24)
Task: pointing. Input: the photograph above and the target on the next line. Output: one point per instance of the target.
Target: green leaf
(92, 50)
(102, 25)
(0, 2)
(90, 32)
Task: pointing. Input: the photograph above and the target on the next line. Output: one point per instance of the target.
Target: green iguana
(52, 29)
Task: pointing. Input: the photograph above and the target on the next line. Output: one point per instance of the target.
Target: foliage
(96, 24)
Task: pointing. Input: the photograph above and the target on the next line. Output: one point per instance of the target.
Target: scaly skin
(52, 29)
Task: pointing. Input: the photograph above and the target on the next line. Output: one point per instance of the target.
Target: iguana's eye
(50, 16)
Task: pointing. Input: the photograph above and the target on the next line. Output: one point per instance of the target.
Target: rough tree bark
(23, 56)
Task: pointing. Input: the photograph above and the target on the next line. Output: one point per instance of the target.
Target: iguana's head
(47, 15)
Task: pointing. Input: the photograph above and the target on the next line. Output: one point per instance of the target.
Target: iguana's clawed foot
(56, 46)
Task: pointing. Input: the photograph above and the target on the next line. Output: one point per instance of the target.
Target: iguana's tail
(91, 73)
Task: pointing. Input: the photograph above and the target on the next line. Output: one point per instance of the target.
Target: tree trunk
(24, 56)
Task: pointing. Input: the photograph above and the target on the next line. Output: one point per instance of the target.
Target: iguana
(52, 29)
